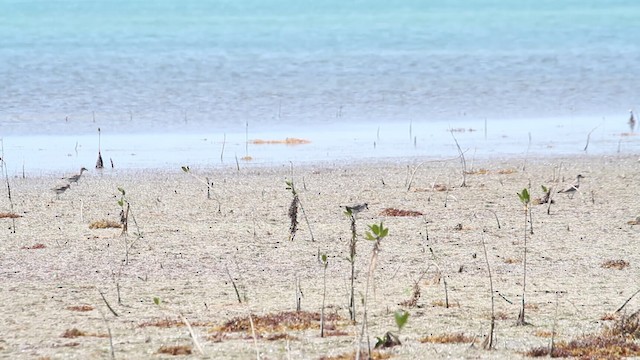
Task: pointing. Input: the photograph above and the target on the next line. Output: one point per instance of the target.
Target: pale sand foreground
(188, 246)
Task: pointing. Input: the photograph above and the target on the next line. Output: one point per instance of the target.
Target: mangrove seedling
(390, 339)
(325, 263)
(352, 261)
(525, 199)
(293, 212)
(125, 211)
(375, 233)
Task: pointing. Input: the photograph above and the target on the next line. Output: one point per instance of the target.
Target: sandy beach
(54, 268)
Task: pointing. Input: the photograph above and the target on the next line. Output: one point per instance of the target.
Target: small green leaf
(156, 300)
(544, 189)
(401, 318)
(185, 169)
(324, 258)
(121, 202)
(524, 196)
(121, 190)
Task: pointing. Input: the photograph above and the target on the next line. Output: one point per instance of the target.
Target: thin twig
(626, 302)
(112, 353)
(463, 161)
(488, 343)
(234, 285)
(192, 334)
(413, 173)
(107, 303)
(224, 141)
(589, 137)
(253, 334)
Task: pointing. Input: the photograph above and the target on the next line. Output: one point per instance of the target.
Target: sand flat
(188, 246)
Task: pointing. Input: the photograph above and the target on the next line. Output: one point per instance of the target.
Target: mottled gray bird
(571, 190)
(632, 120)
(76, 177)
(61, 189)
(357, 208)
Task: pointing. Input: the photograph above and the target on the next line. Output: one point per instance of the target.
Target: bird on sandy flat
(571, 190)
(357, 208)
(632, 120)
(61, 189)
(76, 177)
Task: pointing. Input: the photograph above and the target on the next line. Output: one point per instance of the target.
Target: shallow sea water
(170, 82)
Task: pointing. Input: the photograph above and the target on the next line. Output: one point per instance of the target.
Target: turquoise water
(210, 67)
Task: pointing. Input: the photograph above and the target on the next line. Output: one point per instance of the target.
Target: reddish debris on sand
(34, 247)
(398, 212)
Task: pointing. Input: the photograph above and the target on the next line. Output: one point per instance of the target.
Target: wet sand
(188, 249)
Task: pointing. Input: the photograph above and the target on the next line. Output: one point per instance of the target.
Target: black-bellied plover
(61, 189)
(357, 208)
(571, 190)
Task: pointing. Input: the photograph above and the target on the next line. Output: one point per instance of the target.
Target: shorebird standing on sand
(75, 178)
(632, 120)
(61, 189)
(357, 208)
(571, 190)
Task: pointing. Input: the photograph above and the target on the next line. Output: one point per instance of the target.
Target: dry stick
(589, 137)
(237, 163)
(6, 178)
(413, 173)
(224, 141)
(118, 292)
(553, 329)
(304, 213)
(491, 211)
(298, 294)
(246, 136)
(488, 342)
(113, 354)
(207, 184)
(626, 302)
(107, 303)
(306, 219)
(463, 161)
(550, 200)
(192, 334)
(253, 334)
(324, 294)
(524, 163)
(435, 261)
(619, 143)
(99, 162)
(235, 288)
